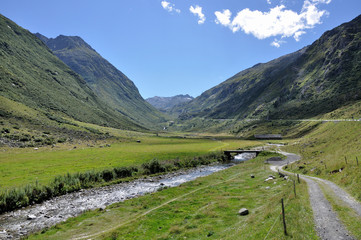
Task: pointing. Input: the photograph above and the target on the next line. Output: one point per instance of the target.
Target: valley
(84, 156)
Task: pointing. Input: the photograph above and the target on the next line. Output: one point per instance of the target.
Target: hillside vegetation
(108, 83)
(30, 74)
(331, 151)
(310, 82)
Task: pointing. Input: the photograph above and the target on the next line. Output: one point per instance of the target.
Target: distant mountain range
(312, 81)
(167, 103)
(32, 75)
(108, 83)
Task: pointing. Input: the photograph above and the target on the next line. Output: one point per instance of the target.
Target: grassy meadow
(206, 208)
(19, 166)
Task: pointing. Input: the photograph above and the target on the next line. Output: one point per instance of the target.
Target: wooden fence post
(346, 160)
(294, 187)
(284, 218)
(298, 178)
(357, 161)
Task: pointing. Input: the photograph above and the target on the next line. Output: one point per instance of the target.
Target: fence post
(357, 161)
(298, 178)
(294, 187)
(346, 160)
(284, 218)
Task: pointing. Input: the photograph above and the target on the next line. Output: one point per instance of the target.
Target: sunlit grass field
(23, 166)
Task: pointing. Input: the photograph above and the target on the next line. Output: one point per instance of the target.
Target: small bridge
(239, 151)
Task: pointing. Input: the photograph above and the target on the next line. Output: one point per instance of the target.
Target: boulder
(243, 211)
(31, 217)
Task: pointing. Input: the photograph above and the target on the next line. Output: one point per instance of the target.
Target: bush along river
(19, 223)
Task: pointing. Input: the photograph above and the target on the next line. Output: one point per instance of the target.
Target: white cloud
(269, 2)
(297, 35)
(169, 7)
(223, 18)
(278, 21)
(311, 13)
(197, 11)
(277, 43)
(321, 1)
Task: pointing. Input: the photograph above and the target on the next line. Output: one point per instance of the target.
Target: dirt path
(328, 226)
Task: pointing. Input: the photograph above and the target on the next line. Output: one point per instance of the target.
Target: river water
(19, 223)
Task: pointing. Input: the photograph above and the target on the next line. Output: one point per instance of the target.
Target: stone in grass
(243, 211)
(31, 217)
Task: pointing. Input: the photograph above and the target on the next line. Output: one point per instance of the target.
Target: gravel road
(328, 226)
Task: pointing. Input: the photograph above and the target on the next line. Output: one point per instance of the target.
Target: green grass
(22, 166)
(206, 208)
(323, 154)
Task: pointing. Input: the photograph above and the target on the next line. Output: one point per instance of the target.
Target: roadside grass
(19, 167)
(330, 152)
(348, 216)
(206, 208)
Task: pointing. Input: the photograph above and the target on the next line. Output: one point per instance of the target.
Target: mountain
(315, 80)
(109, 84)
(32, 75)
(167, 103)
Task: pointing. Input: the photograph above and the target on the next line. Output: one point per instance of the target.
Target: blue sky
(169, 47)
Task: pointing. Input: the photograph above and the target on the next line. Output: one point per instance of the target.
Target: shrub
(108, 175)
(153, 167)
(122, 172)
(5, 130)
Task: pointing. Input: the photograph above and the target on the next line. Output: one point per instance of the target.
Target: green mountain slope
(32, 75)
(110, 84)
(312, 81)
